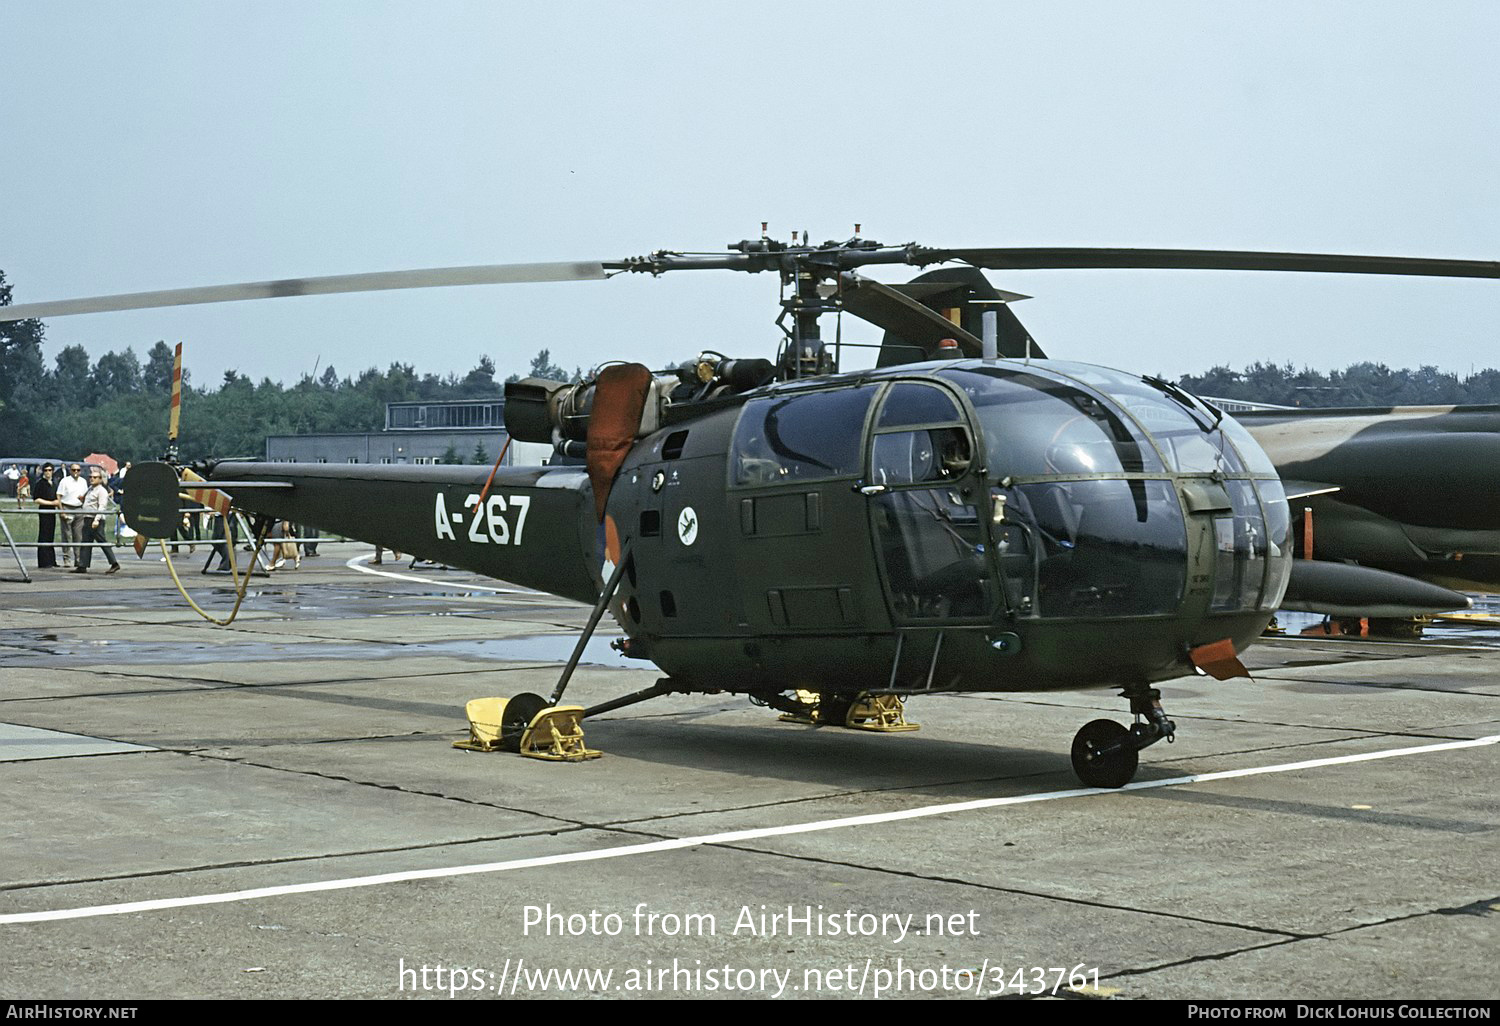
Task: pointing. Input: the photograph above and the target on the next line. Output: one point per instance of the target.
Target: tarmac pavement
(278, 807)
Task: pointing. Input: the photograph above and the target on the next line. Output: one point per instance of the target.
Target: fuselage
(961, 525)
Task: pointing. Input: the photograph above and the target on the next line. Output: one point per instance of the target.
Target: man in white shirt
(95, 505)
(70, 492)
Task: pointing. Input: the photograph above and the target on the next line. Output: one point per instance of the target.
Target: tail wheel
(1096, 769)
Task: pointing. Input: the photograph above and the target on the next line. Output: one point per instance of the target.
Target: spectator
(284, 546)
(70, 492)
(221, 548)
(95, 509)
(44, 491)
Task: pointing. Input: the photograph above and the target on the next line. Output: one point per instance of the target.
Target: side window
(908, 403)
(1241, 542)
(1102, 548)
(799, 438)
(940, 450)
(915, 457)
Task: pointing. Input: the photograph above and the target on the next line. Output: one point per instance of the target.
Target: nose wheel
(1106, 753)
(1102, 756)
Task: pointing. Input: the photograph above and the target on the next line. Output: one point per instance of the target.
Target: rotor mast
(809, 278)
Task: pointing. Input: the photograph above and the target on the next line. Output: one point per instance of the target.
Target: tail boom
(536, 527)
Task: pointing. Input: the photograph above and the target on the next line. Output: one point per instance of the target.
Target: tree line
(1360, 384)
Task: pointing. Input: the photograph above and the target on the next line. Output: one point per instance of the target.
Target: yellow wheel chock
(554, 733)
(484, 725)
(809, 701)
(885, 714)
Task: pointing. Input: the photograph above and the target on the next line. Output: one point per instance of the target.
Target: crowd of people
(84, 505)
(79, 512)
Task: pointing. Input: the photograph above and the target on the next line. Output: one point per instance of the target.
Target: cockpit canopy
(1089, 475)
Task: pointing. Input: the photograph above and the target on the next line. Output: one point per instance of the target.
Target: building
(1243, 405)
(418, 432)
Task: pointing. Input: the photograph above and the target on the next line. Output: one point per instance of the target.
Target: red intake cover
(619, 400)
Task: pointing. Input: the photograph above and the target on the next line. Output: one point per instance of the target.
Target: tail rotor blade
(176, 414)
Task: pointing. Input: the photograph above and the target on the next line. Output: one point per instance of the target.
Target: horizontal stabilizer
(1344, 589)
(259, 484)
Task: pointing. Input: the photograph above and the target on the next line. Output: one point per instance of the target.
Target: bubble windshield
(1037, 425)
(1189, 433)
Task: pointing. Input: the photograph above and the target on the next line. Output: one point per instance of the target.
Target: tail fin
(954, 299)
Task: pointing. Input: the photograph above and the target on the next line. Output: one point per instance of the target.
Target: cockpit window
(798, 438)
(1184, 429)
(1098, 548)
(1254, 457)
(908, 403)
(1034, 425)
(920, 456)
(1240, 564)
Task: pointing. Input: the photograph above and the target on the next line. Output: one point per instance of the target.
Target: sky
(156, 145)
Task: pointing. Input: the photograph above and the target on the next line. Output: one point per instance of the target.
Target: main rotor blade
(1053, 258)
(424, 278)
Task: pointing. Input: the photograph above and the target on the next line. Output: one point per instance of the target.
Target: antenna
(989, 317)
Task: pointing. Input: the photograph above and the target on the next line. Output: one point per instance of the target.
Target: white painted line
(357, 563)
(20, 743)
(729, 837)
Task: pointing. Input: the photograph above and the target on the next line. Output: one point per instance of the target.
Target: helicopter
(967, 515)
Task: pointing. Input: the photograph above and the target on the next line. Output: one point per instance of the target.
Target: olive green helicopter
(966, 516)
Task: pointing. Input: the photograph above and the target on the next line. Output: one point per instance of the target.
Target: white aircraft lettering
(491, 526)
(471, 501)
(499, 529)
(523, 503)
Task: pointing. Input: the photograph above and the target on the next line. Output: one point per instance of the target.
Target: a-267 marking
(489, 526)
